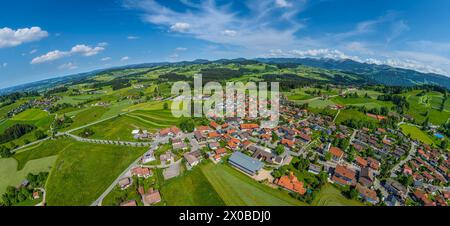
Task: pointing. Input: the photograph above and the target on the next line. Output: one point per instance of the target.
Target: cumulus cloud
(216, 22)
(180, 27)
(125, 58)
(50, 56)
(68, 66)
(81, 49)
(283, 3)
(180, 49)
(230, 33)
(12, 38)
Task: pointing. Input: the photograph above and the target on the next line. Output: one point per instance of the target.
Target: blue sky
(41, 39)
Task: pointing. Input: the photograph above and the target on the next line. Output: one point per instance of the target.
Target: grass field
(353, 115)
(192, 189)
(362, 101)
(10, 176)
(237, 189)
(84, 171)
(41, 150)
(430, 102)
(120, 128)
(416, 133)
(87, 116)
(331, 196)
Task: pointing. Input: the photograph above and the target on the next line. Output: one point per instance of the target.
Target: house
(361, 162)
(396, 188)
(144, 172)
(151, 197)
(166, 157)
(215, 125)
(179, 145)
(344, 176)
(291, 183)
(245, 163)
(366, 177)
(192, 158)
(214, 145)
(232, 145)
(148, 157)
(336, 154)
(249, 126)
(373, 163)
(367, 194)
(314, 169)
(391, 200)
(422, 197)
(175, 131)
(36, 195)
(199, 136)
(219, 153)
(304, 137)
(124, 183)
(129, 203)
(165, 132)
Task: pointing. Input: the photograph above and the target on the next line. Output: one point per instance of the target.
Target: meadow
(331, 196)
(416, 134)
(84, 171)
(120, 128)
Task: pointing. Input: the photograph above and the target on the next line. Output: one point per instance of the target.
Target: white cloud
(33, 51)
(81, 49)
(180, 49)
(50, 56)
(283, 3)
(103, 44)
(180, 27)
(132, 37)
(68, 66)
(87, 50)
(106, 58)
(125, 58)
(263, 25)
(230, 33)
(12, 38)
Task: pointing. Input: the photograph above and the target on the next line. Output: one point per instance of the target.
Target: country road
(154, 146)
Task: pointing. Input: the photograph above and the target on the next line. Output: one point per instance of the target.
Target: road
(154, 146)
(411, 154)
(114, 142)
(42, 203)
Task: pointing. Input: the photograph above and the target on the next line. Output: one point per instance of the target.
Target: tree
(39, 134)
(166, 106)
(187, 125)
(5, 152)
(279, 150)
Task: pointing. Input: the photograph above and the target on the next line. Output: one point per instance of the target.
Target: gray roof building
(245, 163)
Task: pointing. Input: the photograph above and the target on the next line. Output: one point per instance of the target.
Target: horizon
(210, 60)
(125, 32)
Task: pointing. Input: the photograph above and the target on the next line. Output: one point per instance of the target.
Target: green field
(353, 115)
(11, 176)
(331, 196)
(41, 150)
(84, 171)
(87, 116)
(430, 102)
(120, 128)
(192, 189)
(369, 103)
(416, 134)
(237, 189)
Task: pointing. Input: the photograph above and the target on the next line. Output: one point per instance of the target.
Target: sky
(42, 39)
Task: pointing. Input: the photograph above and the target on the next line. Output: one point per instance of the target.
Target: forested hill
(381, 73)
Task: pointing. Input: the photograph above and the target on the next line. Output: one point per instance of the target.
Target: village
(376, 166)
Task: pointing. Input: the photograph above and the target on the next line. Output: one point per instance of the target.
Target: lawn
(87, 116)
(420, 105)
(41, 150)
(416, 133)
(84, 171)
(331, 196)
(237, 189)
(120, 128)
(191, 189)
(10, 176)
(353, 115)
